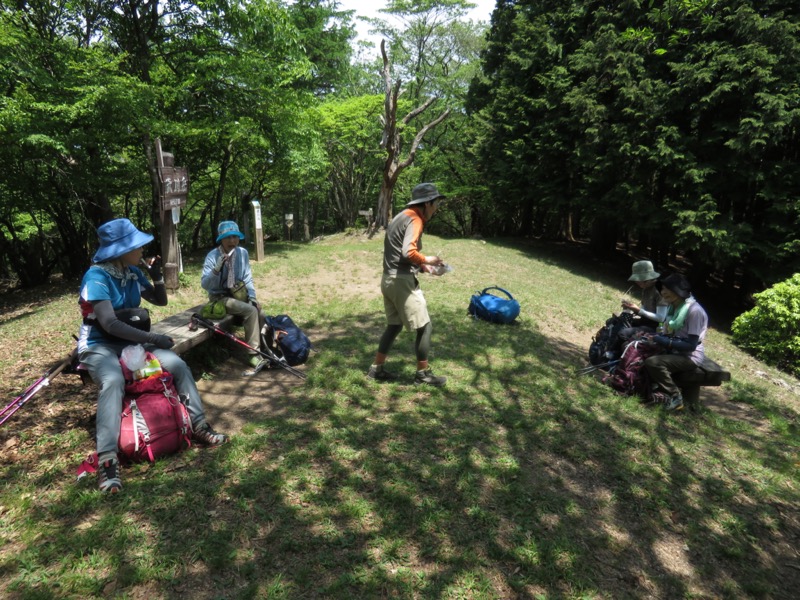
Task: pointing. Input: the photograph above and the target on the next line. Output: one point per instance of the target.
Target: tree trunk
(391, 141)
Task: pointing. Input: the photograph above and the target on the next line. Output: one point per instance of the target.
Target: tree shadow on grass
(518, 479)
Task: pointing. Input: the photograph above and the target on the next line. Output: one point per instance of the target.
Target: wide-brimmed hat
(424, 192)
(227, 229)
(678, 285)
(643, 271)
(119, 237)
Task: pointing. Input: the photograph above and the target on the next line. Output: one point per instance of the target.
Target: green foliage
(771, 330)
(351, 129)
(684, 115)
(224, 85)
(325, 35)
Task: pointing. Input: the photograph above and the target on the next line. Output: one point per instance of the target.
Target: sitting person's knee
(113, 381)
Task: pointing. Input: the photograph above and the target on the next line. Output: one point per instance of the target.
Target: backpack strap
(500, 289)
(87, 466)
(140, 428)
(175, 399)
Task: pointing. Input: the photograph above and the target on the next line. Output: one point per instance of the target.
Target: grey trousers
(661, 368)
(251, 316)
(102, 362)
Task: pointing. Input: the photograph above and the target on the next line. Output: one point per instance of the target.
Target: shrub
(771, 330)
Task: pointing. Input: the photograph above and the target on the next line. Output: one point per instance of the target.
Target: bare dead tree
(392, 141)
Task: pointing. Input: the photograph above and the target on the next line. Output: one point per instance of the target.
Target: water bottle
(440, 270)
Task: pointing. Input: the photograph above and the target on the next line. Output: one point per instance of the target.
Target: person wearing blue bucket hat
(110, 297)
(228, 279)
(227, 229)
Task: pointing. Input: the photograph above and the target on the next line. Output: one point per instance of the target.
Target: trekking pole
(43, 381)
(270, 356)
(593, 368)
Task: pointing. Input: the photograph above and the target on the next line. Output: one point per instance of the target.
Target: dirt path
(232, 400)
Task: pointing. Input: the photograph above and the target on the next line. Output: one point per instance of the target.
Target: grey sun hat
(643, 271)
(424, 192)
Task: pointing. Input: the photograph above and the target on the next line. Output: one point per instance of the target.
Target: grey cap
(424, 192)
(678, 284)
(643, 271)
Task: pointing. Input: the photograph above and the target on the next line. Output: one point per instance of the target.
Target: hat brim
(222, 236)
(424, 200)
(680, 292)
(135, 240)
(644, 276)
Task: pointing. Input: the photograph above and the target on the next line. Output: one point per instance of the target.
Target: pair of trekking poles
(270, 358)
(593, 368)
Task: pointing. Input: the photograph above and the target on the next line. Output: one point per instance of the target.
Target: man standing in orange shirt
(402, 297)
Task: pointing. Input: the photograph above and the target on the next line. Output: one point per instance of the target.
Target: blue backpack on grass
(490, 307)
(287, 340)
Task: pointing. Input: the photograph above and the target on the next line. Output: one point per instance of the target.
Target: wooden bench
(177, 327)
(708, 374)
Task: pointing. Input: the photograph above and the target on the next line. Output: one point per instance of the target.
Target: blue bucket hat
(227, 229)
(119, 237)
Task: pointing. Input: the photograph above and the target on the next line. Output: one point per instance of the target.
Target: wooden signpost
(173, 191)
(258, 233)
(366, 214)
(289, 220)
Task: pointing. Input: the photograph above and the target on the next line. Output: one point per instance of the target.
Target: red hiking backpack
(155, 421)
(629, 375)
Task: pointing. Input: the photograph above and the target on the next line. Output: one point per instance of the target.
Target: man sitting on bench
(682, 341)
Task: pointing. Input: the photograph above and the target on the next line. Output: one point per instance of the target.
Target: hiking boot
(378, 373)
(428, 378)
(255, 361)
(108, 478)
(675, 403)
(657, 398)
(205, 435)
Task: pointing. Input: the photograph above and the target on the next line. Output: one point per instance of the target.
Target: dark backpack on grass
(286, 340)
(606, 345)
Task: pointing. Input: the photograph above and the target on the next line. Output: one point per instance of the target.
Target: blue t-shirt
(99, 285)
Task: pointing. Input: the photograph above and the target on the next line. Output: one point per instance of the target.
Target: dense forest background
(670, 127)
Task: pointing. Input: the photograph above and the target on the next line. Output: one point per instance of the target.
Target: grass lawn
(519, 479)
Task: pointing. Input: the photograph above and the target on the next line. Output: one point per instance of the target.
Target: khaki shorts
(403, 301)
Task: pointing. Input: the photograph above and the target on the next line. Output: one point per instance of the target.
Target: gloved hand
(161, 341)
(661, 340)
(222, 259)
(219, 263)
(155, 269)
